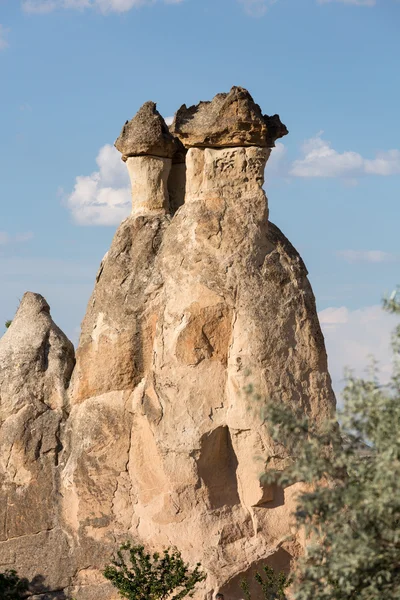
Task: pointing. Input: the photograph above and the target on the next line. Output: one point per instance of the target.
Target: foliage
(11, 586)
(272, 585)
(7, 324)
(152, 577)
(351, 507)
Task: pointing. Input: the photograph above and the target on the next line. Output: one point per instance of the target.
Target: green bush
(272, 585)
(152, 577)
(11, 586)
(351, 511)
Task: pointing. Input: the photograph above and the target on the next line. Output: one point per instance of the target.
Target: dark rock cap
(232, 119)
(147, 133)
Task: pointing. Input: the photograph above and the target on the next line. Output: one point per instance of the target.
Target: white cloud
(102, 198)
(24, 237)
(276, 164)
(321, 160)
(25, 107)
(6, 238)
(120, 6)
(352, 336)
(169, 120)
(256, 8)
(3, 37)
(39, 6)
(104, 6)
(353, 2)
(385, 163)
(369, 256)
(331, 316)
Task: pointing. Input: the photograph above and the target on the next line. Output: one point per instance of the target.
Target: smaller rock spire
(146, 134)
(149, 149)
(34, 350)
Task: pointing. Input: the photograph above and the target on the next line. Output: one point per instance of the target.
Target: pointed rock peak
(32, 323)
(36, 352)
(31, 305)
(146, 134)
(232, 119)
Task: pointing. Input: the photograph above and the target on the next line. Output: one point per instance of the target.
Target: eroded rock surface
(36, 362)
(232, 119)
(146, 134)
(198, 296)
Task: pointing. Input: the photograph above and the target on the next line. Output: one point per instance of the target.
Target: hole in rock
(279, 561)
(177, 186)
(275, 491)
(217, 467)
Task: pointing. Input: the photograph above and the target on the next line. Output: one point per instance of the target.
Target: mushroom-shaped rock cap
(229, 120)
(147, 133)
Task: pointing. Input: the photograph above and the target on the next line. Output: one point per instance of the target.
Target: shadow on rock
(38, 590)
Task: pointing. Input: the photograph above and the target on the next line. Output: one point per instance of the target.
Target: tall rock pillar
(155, 438)
(36, 362)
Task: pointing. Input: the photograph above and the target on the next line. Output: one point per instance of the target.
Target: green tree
(7, 324)
(152, 577)
(351, 509)
(272, 585)
(11, 586)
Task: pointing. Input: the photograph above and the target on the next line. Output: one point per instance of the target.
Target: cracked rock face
(229, 120)
(199, 296)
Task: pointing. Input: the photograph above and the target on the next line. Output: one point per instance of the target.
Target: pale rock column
(149, 181)
(148, 148)
(227, 172)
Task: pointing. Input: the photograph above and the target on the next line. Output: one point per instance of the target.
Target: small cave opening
(280, 561)
(217, 466)
(177, 186)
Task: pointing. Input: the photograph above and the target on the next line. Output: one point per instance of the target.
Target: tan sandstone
(199, 296)
(36, 362)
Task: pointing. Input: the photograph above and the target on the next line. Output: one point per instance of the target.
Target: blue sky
(73, 71)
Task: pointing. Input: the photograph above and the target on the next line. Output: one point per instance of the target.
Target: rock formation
(36, 362)
(155, 438)
(229, 120)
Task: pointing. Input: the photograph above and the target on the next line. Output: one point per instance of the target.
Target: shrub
(11, 586)
(272, 585)
(351, 510)
(152, 577)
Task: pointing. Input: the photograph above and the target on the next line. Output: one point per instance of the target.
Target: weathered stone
(36, 359)
(198, 296)
(117, 326)
(36, 362)
(149, 181)
(146, 134)
(229, 120)
(193, 310)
